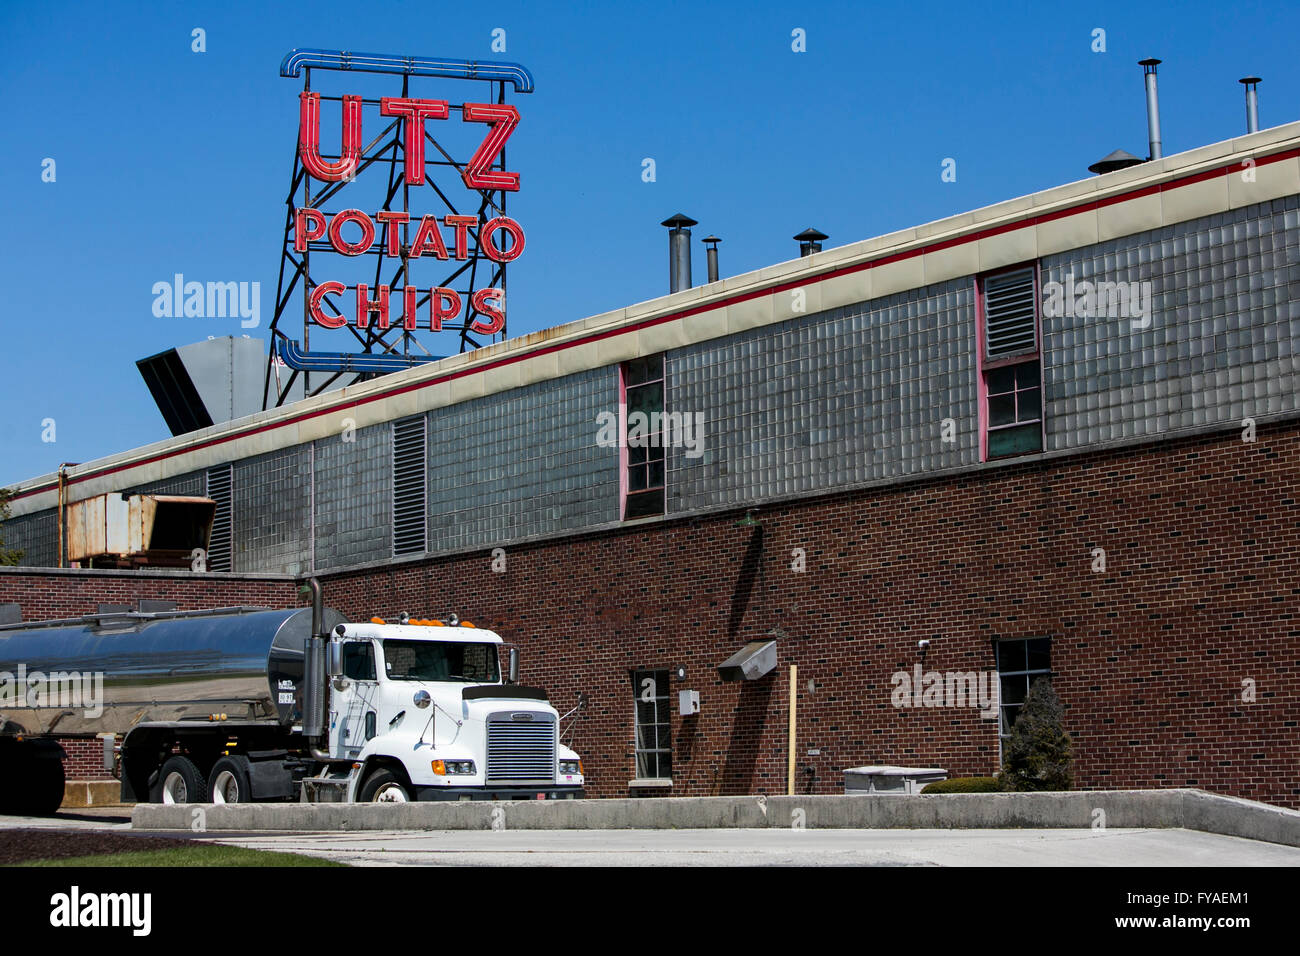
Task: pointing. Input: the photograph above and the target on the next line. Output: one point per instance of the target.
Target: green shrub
(1037, 755)
(963, 785)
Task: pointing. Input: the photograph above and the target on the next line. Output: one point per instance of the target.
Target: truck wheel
(47, 790)
(37, 791)
(228, 782)
(179, 781)
(384, 786)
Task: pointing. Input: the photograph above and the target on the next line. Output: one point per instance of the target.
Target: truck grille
(520, 751)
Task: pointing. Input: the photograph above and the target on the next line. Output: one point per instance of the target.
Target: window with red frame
(643, 445)
(1010, 366)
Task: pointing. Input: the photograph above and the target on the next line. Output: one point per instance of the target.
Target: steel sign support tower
(380, 350)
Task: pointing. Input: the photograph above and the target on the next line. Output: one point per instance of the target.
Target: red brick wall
(1200, 593)
(85, 758)
(44, 594)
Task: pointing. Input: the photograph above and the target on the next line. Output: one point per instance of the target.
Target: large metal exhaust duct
(1252, 102)
(679, 251)
(199, 385)
(1153, 105)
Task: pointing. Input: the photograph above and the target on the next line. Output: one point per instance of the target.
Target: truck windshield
(441, 660)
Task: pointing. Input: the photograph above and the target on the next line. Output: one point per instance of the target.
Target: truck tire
(46, 793)
(384, 786)
(179, 781)
(229, 781)
(35, 788)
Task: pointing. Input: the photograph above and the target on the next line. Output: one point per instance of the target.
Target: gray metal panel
(228, 374)
(1222, 341)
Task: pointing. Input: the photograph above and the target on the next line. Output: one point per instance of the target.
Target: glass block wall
(353, 498)
(1224, 323)
(193, 485)
(36, 535)
(270, 499)
(523, 462)
(851, 395)
(841, 397)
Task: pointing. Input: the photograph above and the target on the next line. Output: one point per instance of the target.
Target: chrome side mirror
(422, 699)
(514, 665)
(334, 659)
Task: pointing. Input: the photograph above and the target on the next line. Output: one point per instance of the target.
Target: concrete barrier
(92, 793)
(1138, 809)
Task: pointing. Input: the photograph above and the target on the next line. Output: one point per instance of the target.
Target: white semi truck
(245, 704)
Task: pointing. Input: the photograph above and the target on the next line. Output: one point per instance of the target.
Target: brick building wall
(1202, 581)
(84, 758)
(46, 594)
(1199, 595)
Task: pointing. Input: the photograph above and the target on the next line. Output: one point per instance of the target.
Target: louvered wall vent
(220, 490)
(1009, 314)
(410, 471)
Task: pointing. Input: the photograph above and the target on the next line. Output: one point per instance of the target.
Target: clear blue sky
(173, 161)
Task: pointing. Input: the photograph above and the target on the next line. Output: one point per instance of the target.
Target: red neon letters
(353, 232)
(312, 224)
(309, 139)
(444, 305)
(501, 120)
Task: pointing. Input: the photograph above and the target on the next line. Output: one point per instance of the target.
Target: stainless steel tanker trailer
(244, 704)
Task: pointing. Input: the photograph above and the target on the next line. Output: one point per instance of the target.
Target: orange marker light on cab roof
(466, 624)
(377, 620)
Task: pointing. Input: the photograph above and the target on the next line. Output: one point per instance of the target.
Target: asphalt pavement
(1111, 847)
(781, 847)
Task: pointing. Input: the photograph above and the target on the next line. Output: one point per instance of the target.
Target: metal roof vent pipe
(810, 241)
(1153, 105)
(712, 243)
(679, 251)
(1119, 159)
(1252, 102)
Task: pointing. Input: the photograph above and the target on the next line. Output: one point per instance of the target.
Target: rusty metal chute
(119, 530)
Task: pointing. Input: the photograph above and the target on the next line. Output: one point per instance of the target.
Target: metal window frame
(661, 695)
(1016, 392)
(984, 364)
(1041, 672)
(624, 465)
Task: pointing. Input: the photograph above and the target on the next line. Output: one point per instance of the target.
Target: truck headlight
(445, 768)
(571, 767)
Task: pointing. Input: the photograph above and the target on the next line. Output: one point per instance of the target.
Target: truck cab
(421, 710)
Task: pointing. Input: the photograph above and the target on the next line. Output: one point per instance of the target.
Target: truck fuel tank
(108, 673)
